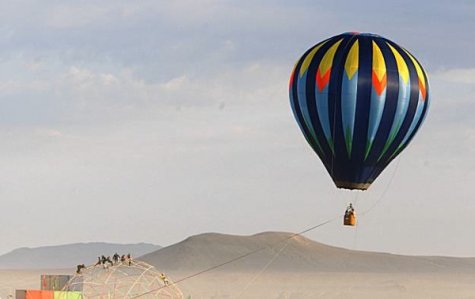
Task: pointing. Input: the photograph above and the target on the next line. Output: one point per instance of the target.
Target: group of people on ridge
(116, 258)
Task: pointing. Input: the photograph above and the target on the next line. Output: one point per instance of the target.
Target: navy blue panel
(356, 170)
(311, 101)
(421, 119)
(413, 100)
(334, 98)
(392, 93)
(297, 112)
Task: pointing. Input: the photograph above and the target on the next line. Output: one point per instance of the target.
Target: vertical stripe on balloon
(302, 124)
(348, 95)
(420, 76)
(403, 99)
(420, 102)
(321, 91)
(414, 122)
(378, 95)
(301, 91)
(308, 59)
(302, 101)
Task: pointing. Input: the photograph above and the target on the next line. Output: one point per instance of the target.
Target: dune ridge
(298, 254)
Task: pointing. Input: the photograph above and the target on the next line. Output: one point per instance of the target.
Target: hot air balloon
(358, 99)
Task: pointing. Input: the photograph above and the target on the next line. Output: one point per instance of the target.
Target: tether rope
(276, 243)
(385, 189)
(254, 279)
(242, 256)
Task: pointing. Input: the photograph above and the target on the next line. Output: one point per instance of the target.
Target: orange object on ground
(36, 294)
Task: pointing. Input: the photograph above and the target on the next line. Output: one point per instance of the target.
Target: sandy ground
(330, 285)
(295, 285)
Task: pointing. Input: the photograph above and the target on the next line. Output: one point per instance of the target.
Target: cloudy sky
(150, 121)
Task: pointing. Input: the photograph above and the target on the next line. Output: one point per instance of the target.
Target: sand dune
(297, 254)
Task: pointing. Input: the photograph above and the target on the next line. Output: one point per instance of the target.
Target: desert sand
(330, 285)
(296, 285)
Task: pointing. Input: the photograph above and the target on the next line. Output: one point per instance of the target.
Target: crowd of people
(107, 261)
(116, 259)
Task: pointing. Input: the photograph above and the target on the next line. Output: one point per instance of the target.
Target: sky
(151, 121)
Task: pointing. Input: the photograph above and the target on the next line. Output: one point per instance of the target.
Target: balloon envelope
(359, 99)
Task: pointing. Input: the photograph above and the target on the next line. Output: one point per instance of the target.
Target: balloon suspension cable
(356, 198)
(263, 269)
(385, 189)
(355, 237)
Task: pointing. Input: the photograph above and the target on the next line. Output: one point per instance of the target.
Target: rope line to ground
(385, 189)
(242, 256)
(276, 243)
(261, 271)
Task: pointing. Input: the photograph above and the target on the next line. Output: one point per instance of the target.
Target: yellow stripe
(351, 64)
(308, 59)
(295, 66)
(379, 66)
(327, 59)
(401, 65)
(420, 72)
